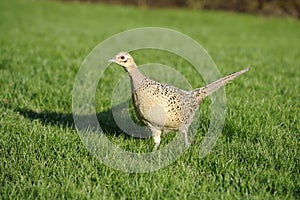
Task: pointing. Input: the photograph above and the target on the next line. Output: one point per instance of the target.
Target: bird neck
(136, 77)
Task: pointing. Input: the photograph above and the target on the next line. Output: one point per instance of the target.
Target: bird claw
(188, 144)
(155, 146)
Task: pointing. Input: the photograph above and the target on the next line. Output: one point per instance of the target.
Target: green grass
(42, 45)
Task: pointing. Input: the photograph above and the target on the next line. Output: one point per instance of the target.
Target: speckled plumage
(164, 107)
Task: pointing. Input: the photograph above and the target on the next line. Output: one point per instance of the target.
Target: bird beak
(112, 60)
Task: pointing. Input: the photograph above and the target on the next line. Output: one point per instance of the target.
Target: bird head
(124, 59)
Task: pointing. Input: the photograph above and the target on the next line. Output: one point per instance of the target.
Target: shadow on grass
(105, 119)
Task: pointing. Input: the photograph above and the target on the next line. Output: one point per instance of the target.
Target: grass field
(42, 45)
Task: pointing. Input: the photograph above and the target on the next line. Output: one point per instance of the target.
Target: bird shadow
(105, 119)
(46, 117)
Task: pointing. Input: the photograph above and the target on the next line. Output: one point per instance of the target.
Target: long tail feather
(205, 91)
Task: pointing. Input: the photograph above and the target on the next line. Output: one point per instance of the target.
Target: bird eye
(123, 58)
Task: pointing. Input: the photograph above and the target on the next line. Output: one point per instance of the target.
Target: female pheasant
(162, 107)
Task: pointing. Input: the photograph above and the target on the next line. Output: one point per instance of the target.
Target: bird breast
(162, 105)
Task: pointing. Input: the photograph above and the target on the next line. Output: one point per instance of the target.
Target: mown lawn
(42, 45)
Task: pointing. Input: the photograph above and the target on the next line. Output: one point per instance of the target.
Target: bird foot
(155, 146)
(187, 144)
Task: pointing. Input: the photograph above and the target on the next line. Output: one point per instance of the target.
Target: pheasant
(162, 107)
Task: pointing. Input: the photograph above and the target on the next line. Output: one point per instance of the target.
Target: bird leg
(156, 141)
(156, 136)
(186, 139)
